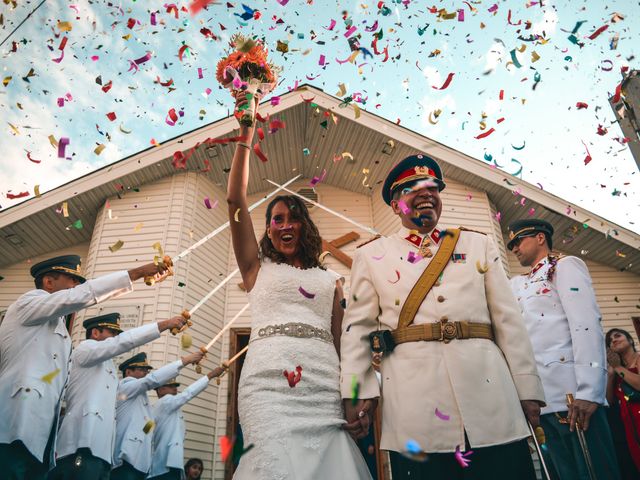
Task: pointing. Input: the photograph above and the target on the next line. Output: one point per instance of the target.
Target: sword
(538, 449)
(583, 444)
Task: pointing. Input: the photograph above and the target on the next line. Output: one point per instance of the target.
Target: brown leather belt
(442, 332)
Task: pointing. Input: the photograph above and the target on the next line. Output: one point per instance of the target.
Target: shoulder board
(559, 255)
(469, 230)
(369, 241)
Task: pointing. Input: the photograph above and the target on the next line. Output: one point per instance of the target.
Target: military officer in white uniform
(87, 432)
(34, 356)
(134, 420)
(168, 435)
(462, 371)
(563, 320)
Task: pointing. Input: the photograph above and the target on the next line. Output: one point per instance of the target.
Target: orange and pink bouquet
(247, 68)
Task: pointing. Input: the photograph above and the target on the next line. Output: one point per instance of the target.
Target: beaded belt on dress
(295, 329)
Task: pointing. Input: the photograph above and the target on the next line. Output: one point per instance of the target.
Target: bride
(289, 397)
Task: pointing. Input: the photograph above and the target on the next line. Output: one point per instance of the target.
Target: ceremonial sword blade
(539, 450)
(587, 455)
(204, 299)
(226, 225)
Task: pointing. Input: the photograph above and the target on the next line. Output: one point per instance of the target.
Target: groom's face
(418, 205)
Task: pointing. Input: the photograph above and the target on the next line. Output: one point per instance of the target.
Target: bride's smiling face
(284, 230)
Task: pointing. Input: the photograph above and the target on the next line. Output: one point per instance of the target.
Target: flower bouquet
(247, 68)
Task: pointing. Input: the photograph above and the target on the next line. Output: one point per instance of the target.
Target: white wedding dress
(296, 430)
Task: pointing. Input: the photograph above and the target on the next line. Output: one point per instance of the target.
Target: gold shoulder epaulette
(464, 229)
(369, 241)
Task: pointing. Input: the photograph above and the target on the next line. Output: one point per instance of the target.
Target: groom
(457, 366)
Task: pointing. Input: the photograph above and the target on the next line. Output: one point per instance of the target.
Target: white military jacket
(34, 345)
(133, 412)
(169, 432)
(90, 417)
(475, 385)
(563, 320)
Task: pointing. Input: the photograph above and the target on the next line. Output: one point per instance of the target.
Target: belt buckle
(447, 331)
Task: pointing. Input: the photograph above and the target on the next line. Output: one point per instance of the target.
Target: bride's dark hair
(310, 242)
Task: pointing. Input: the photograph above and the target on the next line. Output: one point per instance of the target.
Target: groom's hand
(359, 416)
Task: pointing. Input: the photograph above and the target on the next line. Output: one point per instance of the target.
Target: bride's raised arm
(245, 245)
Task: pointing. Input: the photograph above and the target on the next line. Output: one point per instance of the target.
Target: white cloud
(547, 25)
(494, 56)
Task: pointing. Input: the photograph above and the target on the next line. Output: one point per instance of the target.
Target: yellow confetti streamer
(235, 216)
(342, 91)
(138, 227)
(36, 190)
(522, 48)
(356, 109)
(6, 81)
(435, 114)
(48, 378)
(534, 57)
(482, 269)
(347, 155)
(365, 171)
(148, 426)
(116, 246)
(126, 37)
(53, 141)
(65, 26)
(14, 128)
(186, 341)
(98, 150)
(65, 209)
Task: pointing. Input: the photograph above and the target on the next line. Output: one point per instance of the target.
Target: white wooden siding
(617, 293)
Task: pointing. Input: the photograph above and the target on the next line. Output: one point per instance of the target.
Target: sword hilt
(187, 316)
(168, 264)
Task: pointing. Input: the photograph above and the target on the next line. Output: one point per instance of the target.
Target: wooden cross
(333, 247)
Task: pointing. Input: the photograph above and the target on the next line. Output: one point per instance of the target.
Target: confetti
(293, 377)
(306, 294)
(12, 196)
(397, 278)
(482, 269)
(446, 83)
(226, 445)
(48, 378)
(207, 203)
(485, 134)
(235, 215)
(148, 426)
(461, 458)
(62, 145)
(441, 415)
(186, 341)
(116, 246)
(355, 390)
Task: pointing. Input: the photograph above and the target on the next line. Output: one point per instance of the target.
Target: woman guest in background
(289, 395)
(623, 389)
(193, 469)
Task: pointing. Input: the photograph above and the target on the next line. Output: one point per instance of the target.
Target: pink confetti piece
(63, 43)
(404, 208)
(413, 258)
(469, 197)
(275, 100)
(95, 58)
(316, 180)
(283, 2)
(350, 31)
(306, 294)
(153, 18)
(378, 258)
(207, 203)
(200, 75)
(441, 415)
(373, 27)
(62, 145)
(588, 158)
(498, 216)
(531, 211)
(461, 458)
(322, 60)
(397, 279)
(493, 8)
(133, 64)
(293, 377)
(332, 25)
(461, 15)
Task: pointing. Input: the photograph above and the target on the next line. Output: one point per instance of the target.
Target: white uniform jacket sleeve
(38, 307)
(174, 402)
(90, 353)
(508, 325)
(135, 386)
(579, 303)
(360, 319)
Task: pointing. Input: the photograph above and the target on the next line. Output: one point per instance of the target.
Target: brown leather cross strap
(443, 332)
(428, 278)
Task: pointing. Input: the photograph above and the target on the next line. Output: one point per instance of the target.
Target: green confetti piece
(77, 224)
(181, 284)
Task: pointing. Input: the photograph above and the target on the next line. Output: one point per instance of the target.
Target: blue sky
(476, 50)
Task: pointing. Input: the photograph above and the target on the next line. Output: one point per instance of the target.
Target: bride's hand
(241, 105)
(359, 416)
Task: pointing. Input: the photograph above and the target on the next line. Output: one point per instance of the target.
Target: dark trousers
(501, 462)
(127, 472)
(17, 463)
(172, 474)
(81, 466)
(564, 453)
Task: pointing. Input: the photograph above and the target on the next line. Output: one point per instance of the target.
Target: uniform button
(27, 389)
(440, 298)
(562, 359)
